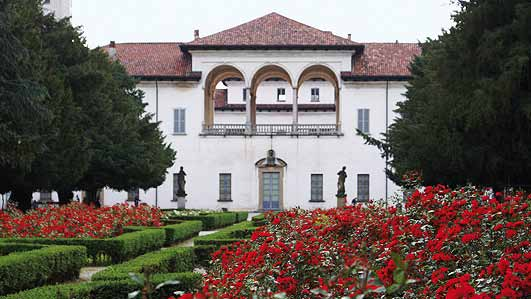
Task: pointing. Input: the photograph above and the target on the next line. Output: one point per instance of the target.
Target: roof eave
(190, 77)
(188, 47)
(370, 78)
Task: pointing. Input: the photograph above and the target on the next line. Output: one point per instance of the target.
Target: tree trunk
(65, 196)
(92, 198)
(23, 198)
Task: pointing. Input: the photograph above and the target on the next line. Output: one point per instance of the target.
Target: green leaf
(394, 288)
(170, 282)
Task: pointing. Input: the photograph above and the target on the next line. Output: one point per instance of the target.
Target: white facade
(60, 8)
(204, 158)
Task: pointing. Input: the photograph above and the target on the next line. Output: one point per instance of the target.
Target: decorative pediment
(271, 160)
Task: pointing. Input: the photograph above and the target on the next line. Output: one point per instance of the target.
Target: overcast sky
(175, 20)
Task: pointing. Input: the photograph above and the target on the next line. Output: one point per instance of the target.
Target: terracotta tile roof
(384, 59)
(272, 30)
(153, 59)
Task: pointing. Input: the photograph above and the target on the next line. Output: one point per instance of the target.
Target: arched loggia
(323, 72)
(264, 73)
(216, 75)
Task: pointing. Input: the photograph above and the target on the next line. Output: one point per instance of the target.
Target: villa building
(264, 115)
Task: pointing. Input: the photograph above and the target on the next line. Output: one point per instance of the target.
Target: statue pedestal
(341, 201)
(181, 202)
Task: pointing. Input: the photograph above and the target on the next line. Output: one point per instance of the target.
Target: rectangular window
(317, 188)
(363, 120)
(46, 196)
(225, 187)
(315, 95)
(244, 95)
(363, 187)
(133, 194)
(179, 118)
(281, 94)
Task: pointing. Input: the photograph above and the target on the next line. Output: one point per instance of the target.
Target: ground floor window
(316, 187)
(363, 187)
(225, 186)
(133, 194)
(45, 196)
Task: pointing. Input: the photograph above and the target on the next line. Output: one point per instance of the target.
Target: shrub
(241, 216)
(172, 260)
(77, 221)
(112, 250)
(227, 235)
(24, 270)
(203, 254)
(182, 231)
(446, 244)
(7, 248)
(210, 221)
(112, 289)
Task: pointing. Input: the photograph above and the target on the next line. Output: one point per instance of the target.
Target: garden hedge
(7, 248)
(110, 250)
(203, 254)
(211, 221)
(116, 289)
(50, 264)
(259, 220)
(182, 231)
(227, 235)
(172, 260)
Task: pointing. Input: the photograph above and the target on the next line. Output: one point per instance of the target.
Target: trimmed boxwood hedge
(227, 235)
(50, 264)
(203, 254)
(215, 220)
(7, 248)
(182, 231)
(110, 250)
(259, 220)
(171, 260)
(112, 289)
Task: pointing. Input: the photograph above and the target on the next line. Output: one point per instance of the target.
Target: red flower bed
(447, 244)
(76, 221)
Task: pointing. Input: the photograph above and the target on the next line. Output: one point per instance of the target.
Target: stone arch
(263, 73)
(326, 73)
(217, 74)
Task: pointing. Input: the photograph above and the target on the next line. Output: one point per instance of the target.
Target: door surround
(261, 171)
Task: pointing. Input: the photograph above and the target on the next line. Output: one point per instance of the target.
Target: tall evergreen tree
(80, 122)
(467, 118)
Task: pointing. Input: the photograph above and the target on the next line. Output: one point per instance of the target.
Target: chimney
(196, 34)
(112, 50)
(349, 36)
(396, 42)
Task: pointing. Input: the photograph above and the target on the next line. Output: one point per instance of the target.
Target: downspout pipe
(386, 134)
(157, 120)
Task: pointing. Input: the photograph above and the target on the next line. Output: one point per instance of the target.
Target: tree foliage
(467, 118)
(71, 118)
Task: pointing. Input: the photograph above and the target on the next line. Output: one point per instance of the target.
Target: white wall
(61, 8)
(204, 158)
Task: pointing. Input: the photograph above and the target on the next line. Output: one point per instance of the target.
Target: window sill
(224, 200)
(179, 134)
(317, 201)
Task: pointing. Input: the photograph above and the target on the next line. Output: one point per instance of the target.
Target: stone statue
(181, 182)
(341, 182)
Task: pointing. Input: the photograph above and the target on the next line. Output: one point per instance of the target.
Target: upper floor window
(316, 187)
(225, 187)
(315, 95)
(179, 121)
(363, 187)
(244, 95)
(281, 94)
(363, 120)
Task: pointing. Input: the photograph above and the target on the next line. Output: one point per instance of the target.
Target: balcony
(272, 130)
